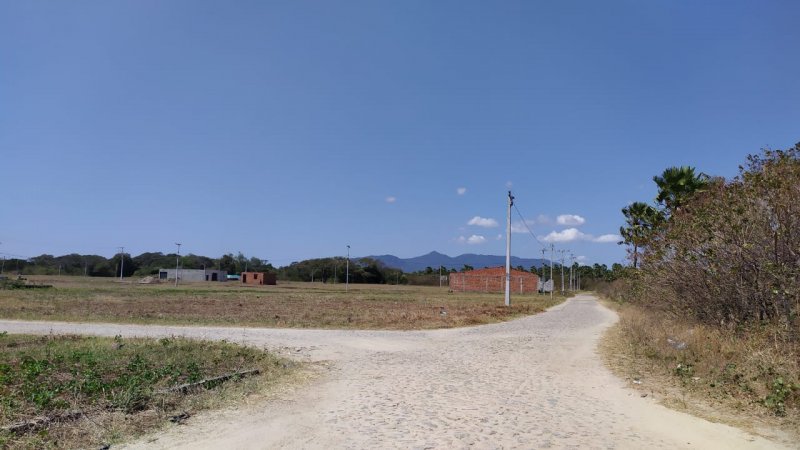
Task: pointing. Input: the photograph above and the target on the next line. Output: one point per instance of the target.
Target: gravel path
(536, 382)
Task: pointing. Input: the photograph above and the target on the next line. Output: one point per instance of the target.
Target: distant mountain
(436, 259)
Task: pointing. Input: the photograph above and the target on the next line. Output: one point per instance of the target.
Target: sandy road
(536, 382)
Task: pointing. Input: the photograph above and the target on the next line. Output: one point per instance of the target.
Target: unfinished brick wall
(493, 280)
(258, 278)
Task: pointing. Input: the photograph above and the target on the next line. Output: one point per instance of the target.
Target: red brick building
(258, 278)
(493, 279)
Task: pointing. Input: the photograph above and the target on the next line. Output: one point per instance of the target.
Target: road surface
(535, 382)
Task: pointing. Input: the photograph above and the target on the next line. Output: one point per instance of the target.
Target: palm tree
(640, 219)
(676, 185)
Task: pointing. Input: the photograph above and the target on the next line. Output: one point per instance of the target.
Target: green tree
(676, 185)
(640, 221)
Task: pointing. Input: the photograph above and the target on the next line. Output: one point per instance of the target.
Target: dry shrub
(731, 256)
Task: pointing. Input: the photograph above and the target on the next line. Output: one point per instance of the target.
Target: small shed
(258, 278)
(493, 279)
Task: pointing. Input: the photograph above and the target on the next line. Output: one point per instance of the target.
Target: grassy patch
(288, 305)
(93, 391)
(748, 378)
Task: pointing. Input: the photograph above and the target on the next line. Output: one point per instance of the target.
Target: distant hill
(436, 259)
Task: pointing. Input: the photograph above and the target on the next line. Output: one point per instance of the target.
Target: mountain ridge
(435, 259)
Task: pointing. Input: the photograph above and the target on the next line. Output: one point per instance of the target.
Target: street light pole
(347, 274)
(177, 264)
(121, 262)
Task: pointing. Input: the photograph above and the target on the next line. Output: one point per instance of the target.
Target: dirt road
(536, 382)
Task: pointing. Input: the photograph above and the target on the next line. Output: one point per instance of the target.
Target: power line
(524, 222)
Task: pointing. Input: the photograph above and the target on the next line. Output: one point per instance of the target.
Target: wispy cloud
(461, 191)
(391, 199)
(570, 220)
(608, 238)
(574, 234)
(499, 237)
(519, 226)
(472, 240)
(484, 222)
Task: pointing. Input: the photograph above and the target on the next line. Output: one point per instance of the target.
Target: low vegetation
(87, 392)
(712, 304)
(288, 305)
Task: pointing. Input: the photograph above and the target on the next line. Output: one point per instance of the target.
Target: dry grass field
(287, 305)
(745, 379)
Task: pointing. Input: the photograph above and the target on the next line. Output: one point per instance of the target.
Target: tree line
(126, 265)
(324, 270)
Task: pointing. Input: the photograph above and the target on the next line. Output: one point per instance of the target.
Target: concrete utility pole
(177, 264)
(543, 267)
(571, 278)
(562, 270)
(121, 262)
(552, 253)
(347, 274)
(508, 250)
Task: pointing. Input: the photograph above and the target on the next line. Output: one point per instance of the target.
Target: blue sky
(289, 129)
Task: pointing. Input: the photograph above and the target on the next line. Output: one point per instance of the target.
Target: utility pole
(177, 264)
(571, 278)
(552, 253)
(562, 270)
(543, 267)
(508, 249)
(440, 275)
(122, 262)
(347, 268)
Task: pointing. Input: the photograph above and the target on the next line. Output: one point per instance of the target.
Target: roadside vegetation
(90, 392)
(287, 305)
(709, 309)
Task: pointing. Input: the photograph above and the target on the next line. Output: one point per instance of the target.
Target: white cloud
(499, 237)
(484, 222)
(607, 238)
(472, 240)
(461, 191)
(391, 199)
(568, 235)
(573, 234)
(581, 259)
(509, 184)
(543, 219)
(519, 227)
(570, 220)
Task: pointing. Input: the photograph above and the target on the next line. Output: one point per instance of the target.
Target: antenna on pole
(508, 249)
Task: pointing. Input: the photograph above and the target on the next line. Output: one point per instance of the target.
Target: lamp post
(177, 264)
(121, 262)
(347, 273)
